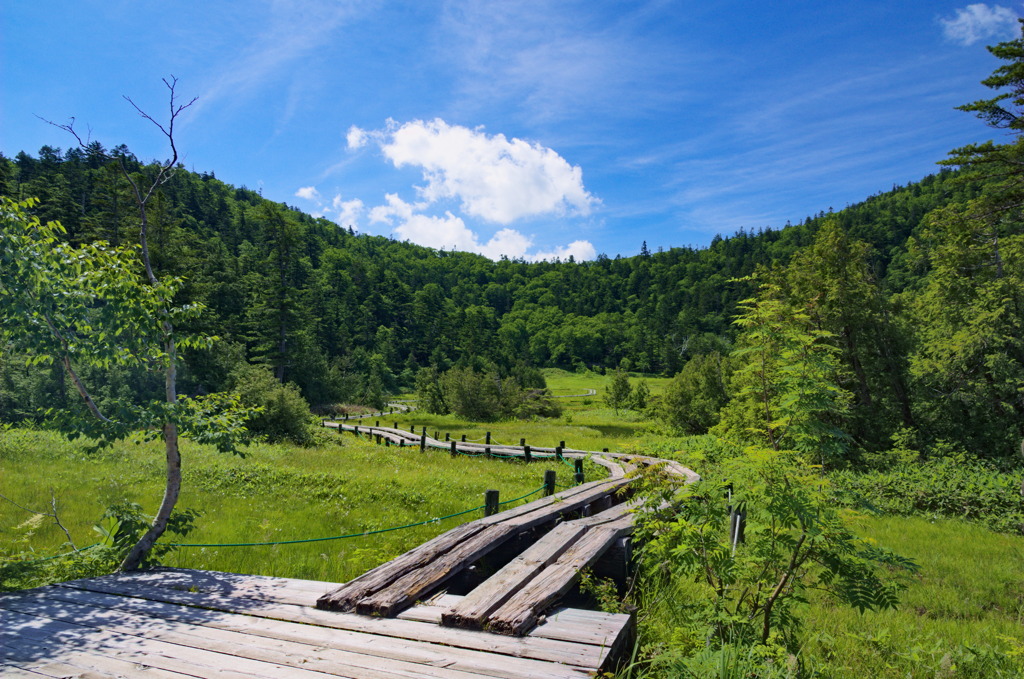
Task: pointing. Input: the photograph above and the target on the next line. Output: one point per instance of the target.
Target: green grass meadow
(967, 600)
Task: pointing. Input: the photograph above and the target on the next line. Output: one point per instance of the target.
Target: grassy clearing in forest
(275, 493)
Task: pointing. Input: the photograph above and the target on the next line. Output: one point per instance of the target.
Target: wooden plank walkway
(393, 621)
(175, 622)
(516, 597)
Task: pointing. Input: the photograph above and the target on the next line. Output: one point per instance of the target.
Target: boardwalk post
(561, 444)
(578, 464)
(377, 436)
(412, 428)
(355, 431)
(522, 443)
(558, 453)
(454, 451)
(549, 482)
(396, 425)
(378, 423)
(463, 438)
(387, 443)
(490, 502)
(423, 441)
(604, 450)
(487, 440)
(527, 456)
(487, 451)
(447, 436)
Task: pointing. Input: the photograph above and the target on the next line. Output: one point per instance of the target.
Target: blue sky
(529, 129)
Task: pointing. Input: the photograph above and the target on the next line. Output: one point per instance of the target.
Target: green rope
(57, 556)
(334, 537)
(522, 497)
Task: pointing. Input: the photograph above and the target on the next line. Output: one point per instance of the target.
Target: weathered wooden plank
(76, 665)
(537, 648)
(522, 610)
(470, 661)
(346, 597)
(406, 590)
(31, 669)
(472, 611)
(246, 586)
(404, 579)
(60, 636)
(418, 582)
(287, 653)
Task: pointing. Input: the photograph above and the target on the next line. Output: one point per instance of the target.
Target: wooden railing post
(549, 482)
(578, 464)
(454, 451)
(490, 502)
(527, 455)
(487, 440)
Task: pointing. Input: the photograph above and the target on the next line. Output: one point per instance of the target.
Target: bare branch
(52, 514)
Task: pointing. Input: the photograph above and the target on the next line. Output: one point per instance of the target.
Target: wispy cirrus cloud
(281, 33)
(978, 22)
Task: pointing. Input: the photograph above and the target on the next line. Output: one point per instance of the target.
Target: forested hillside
(351, 318)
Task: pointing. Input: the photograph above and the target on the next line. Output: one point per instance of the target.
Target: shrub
(283, 414)
(949, 487)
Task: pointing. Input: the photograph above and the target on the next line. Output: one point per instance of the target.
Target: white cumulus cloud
(578, 249)
(494, 178)
(345, 212)
(356, 137)
(308, 193)
(450, 232)
(979, 22)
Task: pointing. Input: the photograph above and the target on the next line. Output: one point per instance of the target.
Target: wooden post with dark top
(487, 440)
(558, 453)
(549, 482)
(578, 464)
(423, 441)
(490, 502)
(454, 452)
(527, 456)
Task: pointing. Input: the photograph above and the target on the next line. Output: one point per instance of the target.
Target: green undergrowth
(960, 616)
(943, 487)
(276, 493)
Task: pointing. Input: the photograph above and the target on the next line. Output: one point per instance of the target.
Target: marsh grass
(275, 493)
(961, 615)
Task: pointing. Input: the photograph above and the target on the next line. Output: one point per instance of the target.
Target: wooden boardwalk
(401, 619)
(178, 623)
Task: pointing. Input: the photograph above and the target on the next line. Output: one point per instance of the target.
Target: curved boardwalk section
(481, 600)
